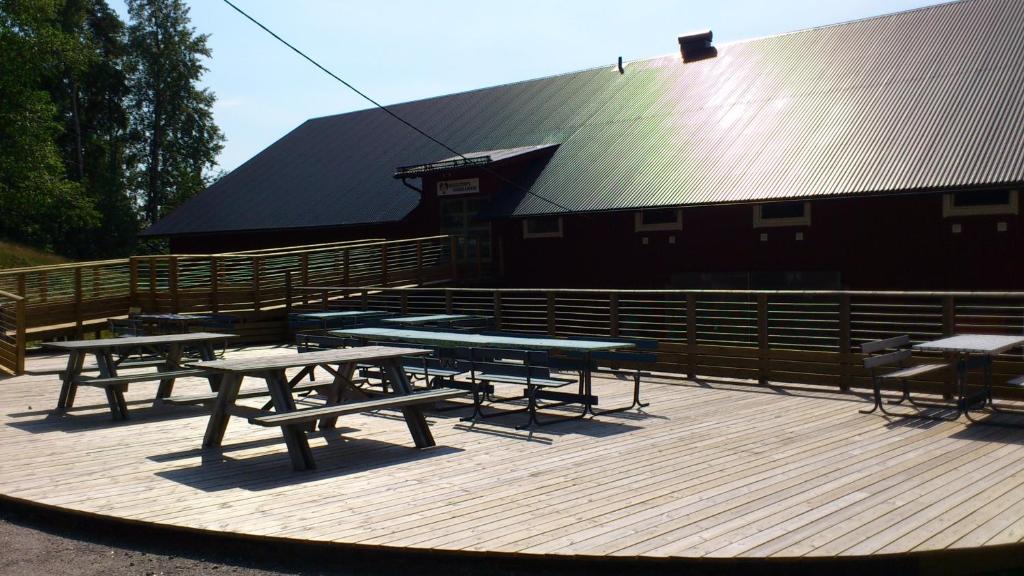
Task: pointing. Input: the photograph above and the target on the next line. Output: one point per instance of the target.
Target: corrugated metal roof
(925, 99)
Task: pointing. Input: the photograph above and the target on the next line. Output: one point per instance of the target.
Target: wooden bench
(306, 415)
(894, 354)
(210, 397)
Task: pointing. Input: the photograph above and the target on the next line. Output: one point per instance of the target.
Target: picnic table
(973, 351)
(446, 339)
(327, 319)
(168, 348)
(172, 322)
(342, 397)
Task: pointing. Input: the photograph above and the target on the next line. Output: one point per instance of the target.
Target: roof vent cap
(696, 45)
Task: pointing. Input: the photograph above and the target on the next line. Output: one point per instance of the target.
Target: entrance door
(459, 219)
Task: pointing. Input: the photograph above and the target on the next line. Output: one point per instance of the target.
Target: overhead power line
(387, 110)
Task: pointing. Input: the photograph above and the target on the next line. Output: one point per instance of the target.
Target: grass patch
(14, 255)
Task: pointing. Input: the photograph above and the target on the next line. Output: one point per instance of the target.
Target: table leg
(338, 389)
(69, 383)
(206, 353)
(226, 396)
(294, 435)
(115, 394)
(172, 362)
(414, 418)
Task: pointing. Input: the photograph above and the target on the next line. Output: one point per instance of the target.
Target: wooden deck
(712, 470)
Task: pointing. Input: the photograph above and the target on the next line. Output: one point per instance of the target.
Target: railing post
(844, 342)
(172, 279)
(19, 337)
(257, 296)
(497, 310)
(305, 277)
(288, 291)
(22, 285)
(384, 264)
(454, 257)
(419, 261)
(551, 312)
(78, 302)
(949, 329)
(344, 273)
(762, 338)
(323, 300)
(691, 335)
(43, 286)
(152, 284)
(133, 282)
(404, 302)
(214, 284)
(447, 301)
(613, 314)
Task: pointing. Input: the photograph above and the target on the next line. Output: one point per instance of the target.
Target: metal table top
(427, 319)
(329, 315)
(465, 339)
(990, 344)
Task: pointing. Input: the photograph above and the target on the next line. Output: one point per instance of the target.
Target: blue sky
(409, 49)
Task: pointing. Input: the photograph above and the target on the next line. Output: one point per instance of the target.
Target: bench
(296, 422)
(527, 368)
(894, 355)
(608, 362)
(210, 397)
(305, 415)
(115, 386)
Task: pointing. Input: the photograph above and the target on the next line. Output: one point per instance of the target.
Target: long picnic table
(972, 351)
(328, 318)
(436, 320)
(295, 422)
(445, 339)
(168, 347)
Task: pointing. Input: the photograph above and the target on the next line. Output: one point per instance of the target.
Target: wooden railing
(75, 298)
(12, 333)
(803, 337)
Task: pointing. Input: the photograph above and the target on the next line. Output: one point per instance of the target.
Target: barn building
(885, 153)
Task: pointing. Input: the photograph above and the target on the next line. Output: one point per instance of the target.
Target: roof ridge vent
(696, 45)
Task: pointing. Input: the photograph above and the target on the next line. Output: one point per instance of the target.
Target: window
(782, 214)
(544, 227)
(660, 219)
(979, 203)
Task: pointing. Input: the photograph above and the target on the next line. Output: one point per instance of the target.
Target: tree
(38, 204)
(90, 94)
(175, 141)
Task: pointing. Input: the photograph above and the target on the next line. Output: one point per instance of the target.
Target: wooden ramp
(712, 470)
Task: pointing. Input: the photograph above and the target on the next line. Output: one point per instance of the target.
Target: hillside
(14, 255)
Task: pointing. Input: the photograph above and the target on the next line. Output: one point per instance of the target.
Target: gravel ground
(28, 550)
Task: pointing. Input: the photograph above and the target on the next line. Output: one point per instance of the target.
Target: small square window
(979, 203)
(782, 214)
(659, 219)
(543, 227)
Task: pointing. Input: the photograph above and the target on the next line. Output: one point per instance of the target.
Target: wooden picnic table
(338, 393)
(168, 348)
(169, 322)
(445, 339)
(972, 351)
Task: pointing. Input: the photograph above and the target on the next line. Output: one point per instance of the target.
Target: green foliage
(38, 204)
(102, 125)
(175, 140)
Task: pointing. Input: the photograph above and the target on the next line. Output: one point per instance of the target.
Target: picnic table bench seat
(305, 415)
(878, 357)
(147, 377)
(210, 397)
